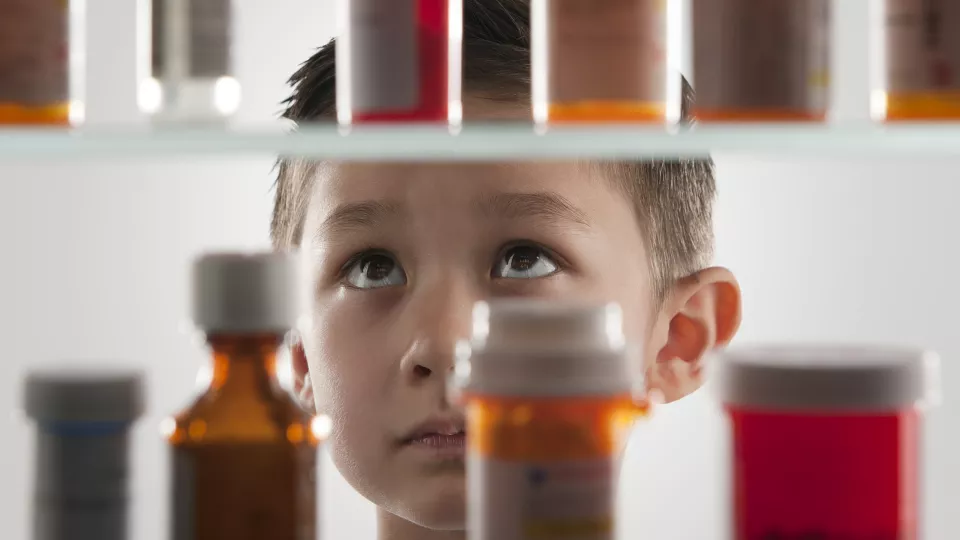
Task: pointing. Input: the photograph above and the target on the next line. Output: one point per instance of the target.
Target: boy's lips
(440, 437)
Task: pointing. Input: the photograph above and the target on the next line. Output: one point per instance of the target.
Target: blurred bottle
(761, 61)
(550, 395)
(191, 63)
(82, 470)
(244, 453)
(34, 62)
(599, 60)
(923, 59)
(826, 441)
(399, 61)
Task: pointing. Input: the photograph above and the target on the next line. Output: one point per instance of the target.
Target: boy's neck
(392, 527)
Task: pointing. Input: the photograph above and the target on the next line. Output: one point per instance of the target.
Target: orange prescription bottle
(34, 62)
(826, 441)
(922, 59)
(599, 60)
(549, 397)
(761, 61)
(244, 452)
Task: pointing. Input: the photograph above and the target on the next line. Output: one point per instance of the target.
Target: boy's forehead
(458, 188)
(452, 183)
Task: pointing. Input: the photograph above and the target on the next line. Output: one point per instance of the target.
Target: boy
(399, 253)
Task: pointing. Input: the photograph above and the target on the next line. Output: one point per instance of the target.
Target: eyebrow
(360, 215)
(550, 207)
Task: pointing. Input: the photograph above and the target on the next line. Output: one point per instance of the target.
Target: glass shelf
(484, 142)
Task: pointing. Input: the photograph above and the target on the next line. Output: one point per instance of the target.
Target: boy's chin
(437, 503)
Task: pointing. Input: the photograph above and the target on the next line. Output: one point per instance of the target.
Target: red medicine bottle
(825, 441)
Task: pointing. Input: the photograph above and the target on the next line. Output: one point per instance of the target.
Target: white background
(95, 257)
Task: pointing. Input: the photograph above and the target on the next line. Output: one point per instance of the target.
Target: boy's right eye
(374, 271)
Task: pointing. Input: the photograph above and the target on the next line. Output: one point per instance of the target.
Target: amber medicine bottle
(761, 61)
(598, 61)
(82, 471)
(922, 59)
(34, 62)
(550, 396)
(244, 453)
(399, 61)
(826, 441)
(191, 76)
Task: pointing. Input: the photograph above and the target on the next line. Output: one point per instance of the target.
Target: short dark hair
(673, 198)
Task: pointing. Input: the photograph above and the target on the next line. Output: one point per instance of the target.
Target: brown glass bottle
(244, 453)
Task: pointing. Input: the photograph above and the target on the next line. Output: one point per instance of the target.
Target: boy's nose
(437, 326)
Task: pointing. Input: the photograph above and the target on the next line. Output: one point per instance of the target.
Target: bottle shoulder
(219, 416)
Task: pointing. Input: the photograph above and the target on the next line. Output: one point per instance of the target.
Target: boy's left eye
(525, 262)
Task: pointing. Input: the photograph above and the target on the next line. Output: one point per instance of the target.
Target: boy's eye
(373, 271)
(525, 262)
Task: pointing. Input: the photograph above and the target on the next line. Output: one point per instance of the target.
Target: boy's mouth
(441, 438)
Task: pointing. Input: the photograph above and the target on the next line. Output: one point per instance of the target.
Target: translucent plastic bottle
(761, 61)
(399, 61)
(599, 60)
(826, 441)
(550, 396)
(82, 472)
(244, 453)
(34, 62)
(922, 59)
(191, 63)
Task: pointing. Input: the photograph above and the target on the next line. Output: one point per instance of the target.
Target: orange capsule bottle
(922, 60)
(244, 453)
(761, 61)
(599, 61)
(34, 62)
(549, 397)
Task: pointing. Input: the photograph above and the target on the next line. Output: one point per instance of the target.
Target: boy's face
(398, 254)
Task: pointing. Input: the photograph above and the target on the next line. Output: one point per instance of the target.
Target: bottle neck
(244, 359)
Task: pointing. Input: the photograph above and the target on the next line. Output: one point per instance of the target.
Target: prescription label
(556, 500)
(922, 45)
(607, 51)
(757, 54)
(34, 51)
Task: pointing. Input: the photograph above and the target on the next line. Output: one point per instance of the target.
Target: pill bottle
(399, 61)
(192, 78)
(599, 61)
(825, 441)
(550, 394)
(34, 62)
(761, 61)
(922, 42)
(244, 453)
(82, 471)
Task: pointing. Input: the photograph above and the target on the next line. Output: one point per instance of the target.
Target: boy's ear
(302, 385)
(701, 312)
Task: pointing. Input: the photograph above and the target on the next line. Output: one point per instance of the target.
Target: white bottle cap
(246, 293)
(826, 378)
(94, 396)
(540, 348)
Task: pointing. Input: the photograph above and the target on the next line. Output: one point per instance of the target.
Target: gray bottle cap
(65, 396)
(827, 378)
(246, 293)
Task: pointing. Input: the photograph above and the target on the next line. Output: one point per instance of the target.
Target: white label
(385, 67)
(33, 51)
(923, 45)
(565, 500)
